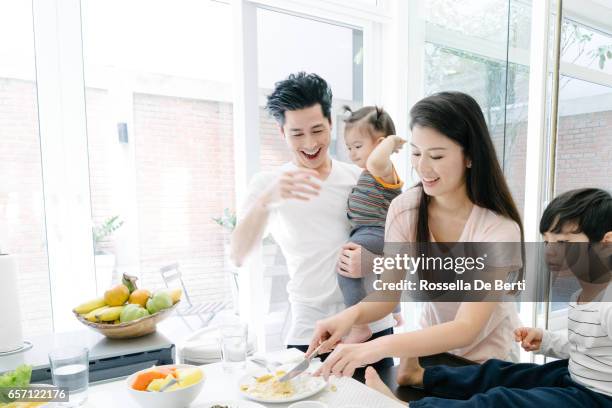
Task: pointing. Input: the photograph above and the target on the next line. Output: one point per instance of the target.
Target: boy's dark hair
(588, 209)
(299, 91)
(378, 121)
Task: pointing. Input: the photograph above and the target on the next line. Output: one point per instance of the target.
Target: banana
(175, 294)
(89, 306)
(110, 314)
(91, 316)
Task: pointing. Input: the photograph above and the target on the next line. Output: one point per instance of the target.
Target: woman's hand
(530, 338)
(343, 361)
(329, 332)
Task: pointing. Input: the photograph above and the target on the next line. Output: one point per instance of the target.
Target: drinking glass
(70, 369)
(234, 346)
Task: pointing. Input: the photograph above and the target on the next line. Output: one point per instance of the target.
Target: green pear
(159, 301)
(132, 312)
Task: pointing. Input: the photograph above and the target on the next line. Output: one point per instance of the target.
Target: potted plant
(227, 221)
(104, 260)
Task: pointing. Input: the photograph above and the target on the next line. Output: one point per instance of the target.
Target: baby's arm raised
(379, 163)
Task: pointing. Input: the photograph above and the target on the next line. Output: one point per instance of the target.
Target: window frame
(63, 140)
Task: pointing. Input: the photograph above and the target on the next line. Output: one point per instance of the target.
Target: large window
(480, 48)
(159, 128)
(583, 145)
(334, 52)
(137, 136)
(22, 216)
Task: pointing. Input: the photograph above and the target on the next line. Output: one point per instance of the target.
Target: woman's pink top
(483, 225)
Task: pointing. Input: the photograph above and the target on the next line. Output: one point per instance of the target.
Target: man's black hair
(589, 210)
(299, 91)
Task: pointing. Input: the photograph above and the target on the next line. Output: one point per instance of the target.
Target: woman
(462, 197)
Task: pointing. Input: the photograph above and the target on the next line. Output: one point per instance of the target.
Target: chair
(170, 275)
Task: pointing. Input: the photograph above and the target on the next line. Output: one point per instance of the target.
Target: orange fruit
(140, 297)
(142, 380)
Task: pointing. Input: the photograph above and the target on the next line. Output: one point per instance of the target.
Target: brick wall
(584, 154)
(584, 151)
(185, 176)
(103, 153)
(273, 149)
(21, 201)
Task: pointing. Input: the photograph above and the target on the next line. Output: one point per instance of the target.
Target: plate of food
(267, 388)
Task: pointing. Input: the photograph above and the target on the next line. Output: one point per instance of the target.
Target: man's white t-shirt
(311, 234)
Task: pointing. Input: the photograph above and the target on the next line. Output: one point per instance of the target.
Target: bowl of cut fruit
(168, 386)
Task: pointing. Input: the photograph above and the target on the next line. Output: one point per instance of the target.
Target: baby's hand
(398, 142)
(530, 338)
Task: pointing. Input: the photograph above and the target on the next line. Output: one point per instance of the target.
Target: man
(303, 205)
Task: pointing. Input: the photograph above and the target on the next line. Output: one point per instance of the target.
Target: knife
(301, 367)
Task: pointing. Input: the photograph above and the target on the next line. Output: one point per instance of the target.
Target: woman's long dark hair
(459, 117)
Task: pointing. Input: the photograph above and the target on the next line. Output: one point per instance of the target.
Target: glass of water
(70, 369)
(234, 346)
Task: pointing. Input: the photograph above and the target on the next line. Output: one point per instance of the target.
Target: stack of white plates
(204, 347)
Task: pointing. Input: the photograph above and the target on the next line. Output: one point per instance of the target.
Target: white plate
(231, 404)
(311, 385)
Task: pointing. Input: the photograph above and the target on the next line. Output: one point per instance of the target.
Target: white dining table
(221, 385)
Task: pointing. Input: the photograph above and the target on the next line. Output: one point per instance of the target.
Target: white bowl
(170, 399)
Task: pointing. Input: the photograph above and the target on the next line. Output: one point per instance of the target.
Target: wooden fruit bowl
(135, 328)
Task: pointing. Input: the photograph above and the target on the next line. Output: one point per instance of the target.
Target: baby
(370, 139)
